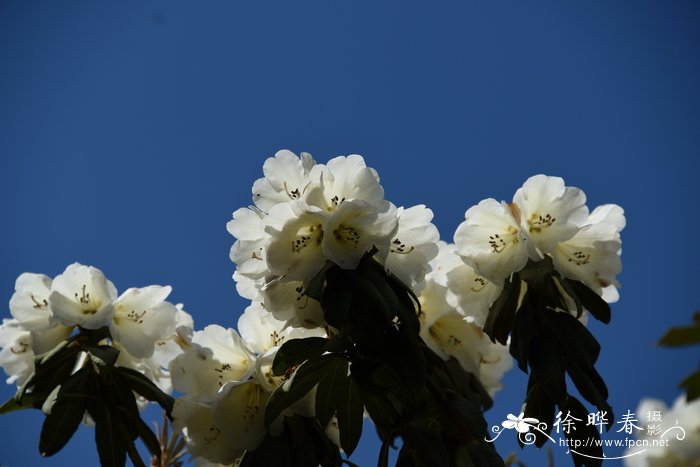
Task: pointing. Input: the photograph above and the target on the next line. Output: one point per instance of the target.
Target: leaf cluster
(80, 379)
(375, 361)
(547, 341)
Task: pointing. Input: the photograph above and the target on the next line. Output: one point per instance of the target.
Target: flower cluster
(546, 218)
(452, 318)
(306, 215)
(678, 425)
(226, 380)
(141, 323)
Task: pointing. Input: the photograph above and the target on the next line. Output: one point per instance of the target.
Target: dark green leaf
(330, 390)
(579, 346)
(571, 292)
(524, 333)
(548, 369)
(51, 372)
(692, 386)
(593, 389)
(144, 387)
(29, 401)
(589, 454)
(111, 444)
(540, 406)
(336, 300)
(686, 335)
(499, 321)
(150, 440)
(591, 301)
(296, 351)
(66, 414)
(383, 460)
(106, 354)
(350, 417)
(307, 376)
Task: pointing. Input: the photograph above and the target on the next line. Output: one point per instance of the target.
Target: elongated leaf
(104, 355)
(150, 440)
(538, 405)
(595, 305)
(499, 321)
(29, 401)
(686, 335)
(692, 386)
(307, 376)
(111, 445)
(579, 346)
(336, 300)
(144, 387)
(66, 414)
(296, 351)
(524, 333)
(350, 417)
(51, 373)
(330, 390)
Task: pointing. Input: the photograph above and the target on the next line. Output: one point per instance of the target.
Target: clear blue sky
(130, 131)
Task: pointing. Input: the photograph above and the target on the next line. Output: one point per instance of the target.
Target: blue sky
(130, 131)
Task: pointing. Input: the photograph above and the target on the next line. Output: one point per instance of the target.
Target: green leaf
(306, 377)
(296, 351)
(144, 387)
(111, 445)
(103, 355)
(66, 414)
(540, 406)
(524, 332)
(683, 335)
(336, 299)
(330, 389)
(29, 401)
(548, 369)
(150, 440)
(350, 417)
(499, 321)
(51, 372)
(579, 346)
(692, 386)
(591, 301)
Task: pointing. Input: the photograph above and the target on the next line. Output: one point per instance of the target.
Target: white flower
(16, 356)
(496, 239)
(550, 212)
(294, 248)
(30, 306)
(141, 318)
(288, 301)
(171, 346)
(468, 293)
(490, 240)
(413, 245)
(343, 179)
(354, 227)
(248, 252)
(286, 179)
(204, 437)
(239, 412)
(450, 334)
(592, 255)
(684, 452)
(82, 296)
(215, 357)
(30, 302)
